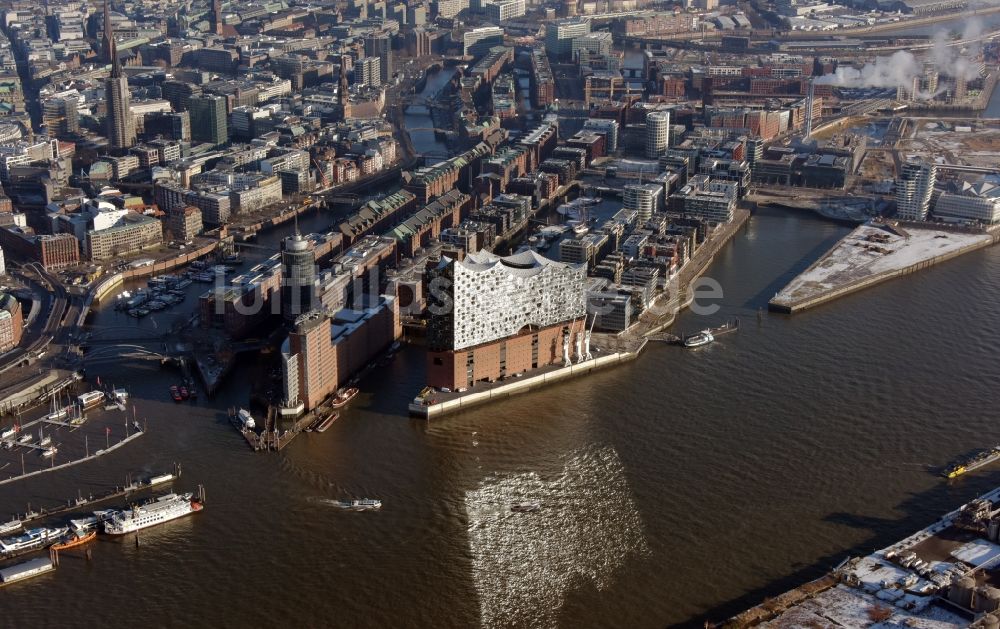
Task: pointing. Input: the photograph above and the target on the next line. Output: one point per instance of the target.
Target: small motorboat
(525, 507)
(697, 340)
(365, 504)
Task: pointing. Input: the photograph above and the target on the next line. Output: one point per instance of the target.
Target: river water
(680, 486)
(419, 123)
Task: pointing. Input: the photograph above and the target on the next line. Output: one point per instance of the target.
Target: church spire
(108, 43)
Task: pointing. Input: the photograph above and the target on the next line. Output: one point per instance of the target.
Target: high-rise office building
(60, 116)
(208, 118)
(978, 201)
(559, 35)
(657, 133)
(478, 41)
(380, 45)
(298, 277)
(179, 94)
(914, 188)
(608, 128)
(503, 10)
(120, 121)
(368, 71)
(449, 8)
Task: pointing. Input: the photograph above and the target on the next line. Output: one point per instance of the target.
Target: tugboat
(343, 398)
(974, 462)
(176, 394)
(183, 393)
(697, 340)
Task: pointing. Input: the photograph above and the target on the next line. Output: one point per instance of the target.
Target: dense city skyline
(505, 299)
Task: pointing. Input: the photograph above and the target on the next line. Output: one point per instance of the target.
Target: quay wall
(853, 287)
(519, 385)
(111, 282)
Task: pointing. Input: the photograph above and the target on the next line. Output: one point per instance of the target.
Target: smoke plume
(902, 67)
(895, 71)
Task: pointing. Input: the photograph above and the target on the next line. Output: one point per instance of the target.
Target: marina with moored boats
(80, 531)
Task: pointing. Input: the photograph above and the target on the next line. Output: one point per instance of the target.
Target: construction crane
(322, 173)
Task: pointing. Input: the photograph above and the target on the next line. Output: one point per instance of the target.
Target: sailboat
(43, 440)
(56, 412)
(77, 417)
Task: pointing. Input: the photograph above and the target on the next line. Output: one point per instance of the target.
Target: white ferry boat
(697, 340)
(31, 539)
(158, 511)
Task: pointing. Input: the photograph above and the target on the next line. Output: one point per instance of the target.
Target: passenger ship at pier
(158, 511)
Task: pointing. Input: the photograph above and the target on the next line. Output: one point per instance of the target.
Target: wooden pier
(270, 438)
(73, 504)
(89, 457)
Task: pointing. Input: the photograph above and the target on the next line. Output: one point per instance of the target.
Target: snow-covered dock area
(873, 251)
(843, 606)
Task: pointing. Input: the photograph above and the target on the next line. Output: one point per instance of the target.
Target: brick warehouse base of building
(490, 362)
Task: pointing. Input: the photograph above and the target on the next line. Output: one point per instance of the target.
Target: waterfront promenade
(679, 295)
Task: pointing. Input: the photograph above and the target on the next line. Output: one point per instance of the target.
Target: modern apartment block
(707, 198)
(643, 198)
